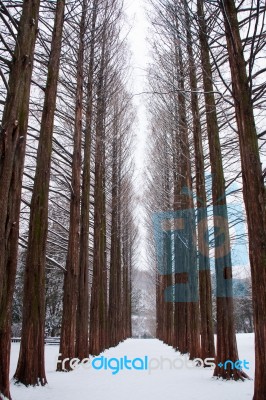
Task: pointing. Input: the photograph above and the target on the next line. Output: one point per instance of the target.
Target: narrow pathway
(154, 384)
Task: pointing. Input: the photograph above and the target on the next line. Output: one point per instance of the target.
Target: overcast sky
(138, 45)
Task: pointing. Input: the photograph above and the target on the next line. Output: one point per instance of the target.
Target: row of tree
(66, 192)
(206, 117)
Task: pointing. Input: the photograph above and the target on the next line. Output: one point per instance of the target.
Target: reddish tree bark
(114, 312)
(98, 319)
(253, 187)
(69, 317)
(82, 333)
(30, 368)
(206, 324)
(187, 313)
(12, 153)
(226, 339)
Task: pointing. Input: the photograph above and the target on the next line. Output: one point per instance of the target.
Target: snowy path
(165, 384)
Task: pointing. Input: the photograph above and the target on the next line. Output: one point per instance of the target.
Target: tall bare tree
(206, 322)
(226, 339)
(12, 153)
(253, 182)
(70, 294)
(30, 368)
(98, 320)
(82, 346)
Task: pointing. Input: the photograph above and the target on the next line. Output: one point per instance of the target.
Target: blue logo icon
(179, 252)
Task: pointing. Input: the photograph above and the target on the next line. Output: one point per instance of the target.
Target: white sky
(137, 40)
(139, 48)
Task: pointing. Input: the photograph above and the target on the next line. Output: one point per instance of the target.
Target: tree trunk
(115, 256)
(30, 369)
(126, 256)
(187, 312)
(98, 296)
(12, 153)
(206, 326)
(68, 329)
(226, 339)
(253, 188)
(82, 346)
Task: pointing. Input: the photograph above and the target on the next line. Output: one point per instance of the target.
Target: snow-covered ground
(156, 384)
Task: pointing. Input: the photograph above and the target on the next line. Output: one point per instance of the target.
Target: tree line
(66, 196)
(207, 103)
